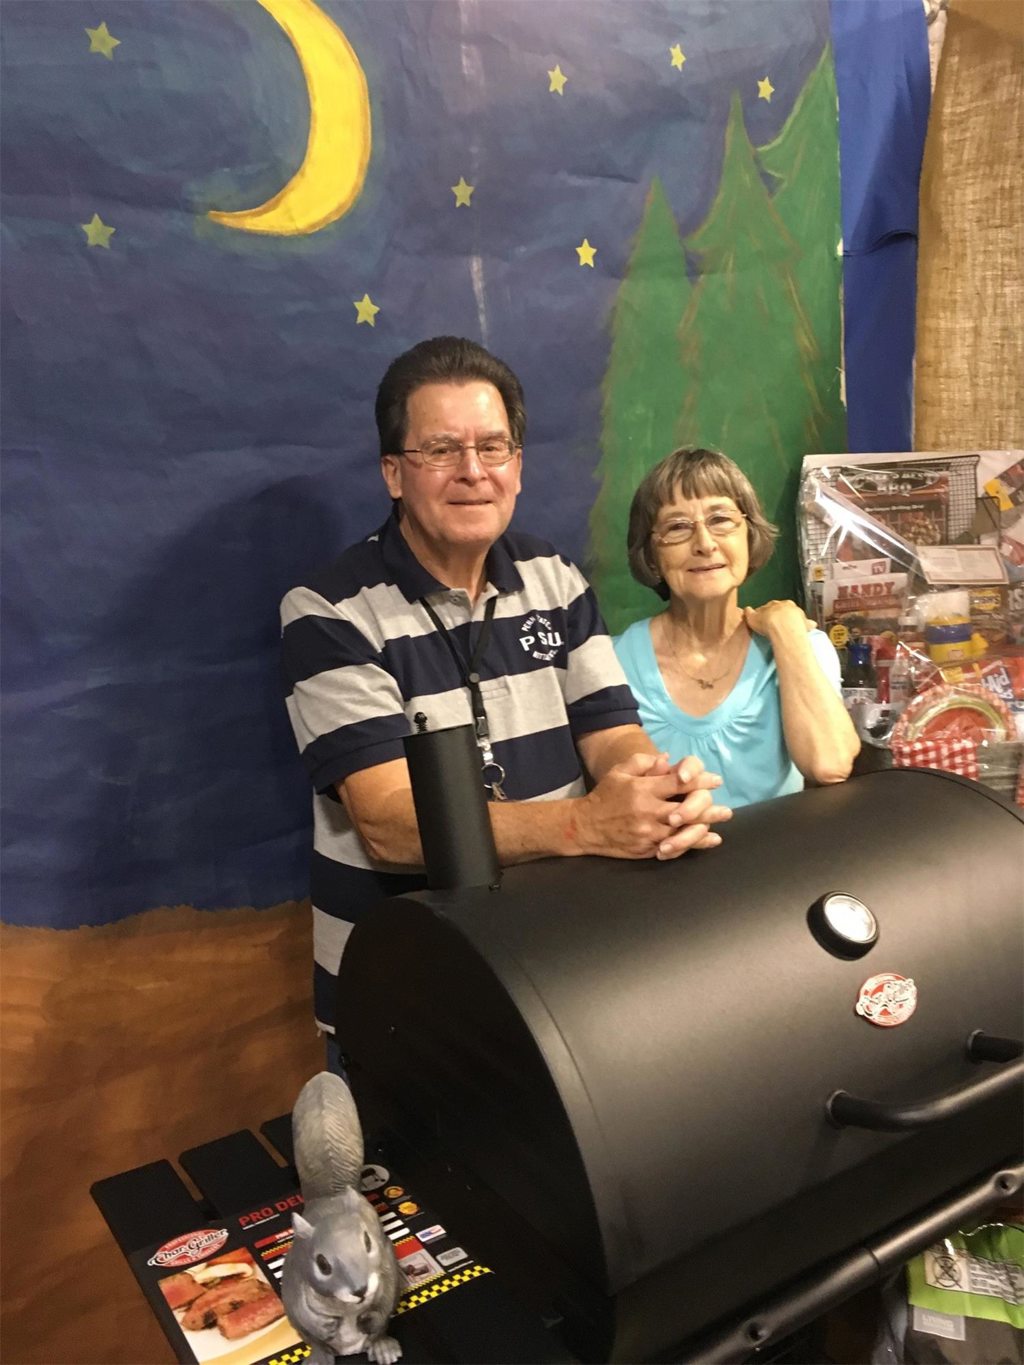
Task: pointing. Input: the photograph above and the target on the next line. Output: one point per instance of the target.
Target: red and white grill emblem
(190, 1248)
(887, 999)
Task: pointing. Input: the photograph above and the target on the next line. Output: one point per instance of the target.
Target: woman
(753, 691)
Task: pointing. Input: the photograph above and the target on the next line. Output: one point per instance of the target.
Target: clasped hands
(647, 807)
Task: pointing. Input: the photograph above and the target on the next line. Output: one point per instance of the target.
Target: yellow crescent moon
(331, 176)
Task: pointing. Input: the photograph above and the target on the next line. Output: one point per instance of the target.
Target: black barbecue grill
(690, 1104)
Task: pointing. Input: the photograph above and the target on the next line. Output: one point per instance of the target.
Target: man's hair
(692, 472)
(443, 360)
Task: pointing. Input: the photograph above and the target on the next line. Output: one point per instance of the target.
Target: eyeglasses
(679, 530)
(446, 452)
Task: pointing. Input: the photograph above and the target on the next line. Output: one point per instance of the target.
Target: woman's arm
(819, 734)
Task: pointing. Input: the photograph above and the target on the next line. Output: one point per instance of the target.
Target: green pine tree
(643, 392)
(755, 370)
(803, 161)
(746, 340)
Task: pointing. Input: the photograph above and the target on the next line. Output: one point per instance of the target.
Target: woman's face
(715, 560)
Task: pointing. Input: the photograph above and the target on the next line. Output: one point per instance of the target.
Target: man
(440, 597)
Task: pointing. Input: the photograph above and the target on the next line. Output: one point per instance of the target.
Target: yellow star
(557, 79)
(678, 56)
(366, 310)
(765, 89)
(96, 231)
(463, 193)
(103, 41)
(586, 253)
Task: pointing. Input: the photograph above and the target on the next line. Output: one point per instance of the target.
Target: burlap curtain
(970, 304)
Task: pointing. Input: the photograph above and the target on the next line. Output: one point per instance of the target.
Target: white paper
(961, 564)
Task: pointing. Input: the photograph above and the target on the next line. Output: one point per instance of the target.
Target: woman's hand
(776, 616)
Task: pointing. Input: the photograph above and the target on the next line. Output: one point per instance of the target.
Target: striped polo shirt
(361, 656)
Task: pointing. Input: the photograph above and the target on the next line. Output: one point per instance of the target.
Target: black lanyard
(471, 679)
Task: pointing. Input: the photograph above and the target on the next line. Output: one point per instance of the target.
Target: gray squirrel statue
(340, 1283)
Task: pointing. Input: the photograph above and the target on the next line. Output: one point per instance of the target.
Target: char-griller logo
(887, 999)
(190, 1247)
(539, 638)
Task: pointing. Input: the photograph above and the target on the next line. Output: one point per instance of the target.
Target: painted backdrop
(222, 220)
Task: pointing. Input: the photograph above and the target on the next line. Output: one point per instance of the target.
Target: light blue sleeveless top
(741, 738)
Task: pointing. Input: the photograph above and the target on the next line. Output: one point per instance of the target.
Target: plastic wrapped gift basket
(904, 565)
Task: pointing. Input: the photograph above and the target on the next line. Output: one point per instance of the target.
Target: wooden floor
(122, 1045)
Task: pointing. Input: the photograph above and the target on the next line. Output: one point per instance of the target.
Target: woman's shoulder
(820, 641)
(637, 630)
(821, 646)
(633, 638)
(634, 647)
(827, 656)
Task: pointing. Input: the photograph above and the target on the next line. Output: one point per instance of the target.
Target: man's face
(464, 509)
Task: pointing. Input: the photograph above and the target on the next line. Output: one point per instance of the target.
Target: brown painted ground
(123, 1045)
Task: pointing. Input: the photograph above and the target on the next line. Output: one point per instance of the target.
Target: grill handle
(847, 1111)
(986, 1047)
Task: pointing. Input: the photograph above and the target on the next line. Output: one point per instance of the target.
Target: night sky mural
(222, 220)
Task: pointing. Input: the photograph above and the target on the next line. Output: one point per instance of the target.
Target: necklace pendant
(707, 686)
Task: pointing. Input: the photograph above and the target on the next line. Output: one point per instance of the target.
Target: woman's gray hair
(692, 472)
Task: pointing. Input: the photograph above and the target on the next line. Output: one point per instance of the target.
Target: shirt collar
(414, 581)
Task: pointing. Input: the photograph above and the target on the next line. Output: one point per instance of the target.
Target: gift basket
(908, 565)
(959, 1302)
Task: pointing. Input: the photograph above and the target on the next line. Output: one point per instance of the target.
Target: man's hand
(635, 811)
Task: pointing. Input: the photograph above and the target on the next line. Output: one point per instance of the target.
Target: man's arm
(338, 688)
(602, 749)
(634, 811)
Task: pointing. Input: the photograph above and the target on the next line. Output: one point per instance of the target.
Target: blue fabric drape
(881, 59)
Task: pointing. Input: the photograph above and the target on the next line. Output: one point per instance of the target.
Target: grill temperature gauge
(843, 924)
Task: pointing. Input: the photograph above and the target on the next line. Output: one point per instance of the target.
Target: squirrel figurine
(340, 1282)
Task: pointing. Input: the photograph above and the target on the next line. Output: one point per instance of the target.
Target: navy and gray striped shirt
(361, 657)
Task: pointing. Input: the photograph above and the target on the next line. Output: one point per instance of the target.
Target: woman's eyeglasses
(679, 530)
(446, 453)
